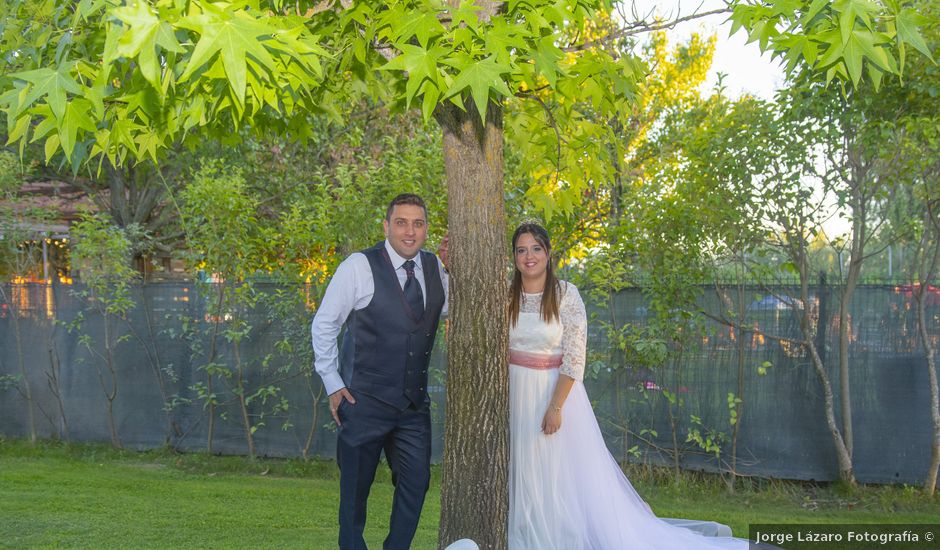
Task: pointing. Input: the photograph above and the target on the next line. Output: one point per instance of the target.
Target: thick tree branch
(642, 27)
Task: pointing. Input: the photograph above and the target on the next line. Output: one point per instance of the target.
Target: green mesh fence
(183, 371)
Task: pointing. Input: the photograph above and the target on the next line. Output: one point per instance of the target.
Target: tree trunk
(153, 356)
(242, 401)
(52, 380)
(474, 494)
(843, 456)
(111, 394)
(213, 347)
(739, 352)
(930, 482)
(845, 391)
(928, 267)
(856, 258)
(27, 388)
(314, 418)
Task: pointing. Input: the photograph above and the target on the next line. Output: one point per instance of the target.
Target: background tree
(921, 146)
(859, 163)
(101, 252)
(226, 240)
(19, 256)
(914, 146)
(760, 161)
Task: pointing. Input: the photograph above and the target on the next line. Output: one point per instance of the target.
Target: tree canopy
(126, 80)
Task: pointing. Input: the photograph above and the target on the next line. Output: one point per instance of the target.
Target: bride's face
(531, 257)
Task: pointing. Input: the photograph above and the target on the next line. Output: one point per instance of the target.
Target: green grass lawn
(89, 496)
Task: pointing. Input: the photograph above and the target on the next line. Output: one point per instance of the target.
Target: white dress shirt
(351, 289)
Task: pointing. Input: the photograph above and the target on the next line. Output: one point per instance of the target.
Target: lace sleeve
(574, 335)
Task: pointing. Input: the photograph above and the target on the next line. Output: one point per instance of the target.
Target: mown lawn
(89, 496)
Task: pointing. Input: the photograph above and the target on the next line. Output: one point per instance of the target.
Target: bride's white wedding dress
(566, 491)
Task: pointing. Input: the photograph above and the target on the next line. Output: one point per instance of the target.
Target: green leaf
(122, 133)
(876, 77)
(146, 101)
(502, 39)
(790, 267)
(874, 51)
(300, 46)
(846, 19)
(739, 16)
(852, 55)
(142, 26)
(465, 38)
(421, 24)
(95, 95)
(233, 36)
(833, 52)
(420, 64)
(150, 65)
(431, 96)
(46, 124)
(51, 146)
(166, 39)
(481, 77)
(465, 13)
(813, 10)
(12, 101)
(810, 51)
(18, 130)
(76, 118)
(148, 142)
(53, 84)
(546, 56)
(908, 22)
(555, 13)
(86, 8)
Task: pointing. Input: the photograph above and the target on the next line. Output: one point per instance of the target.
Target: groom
(390, 298)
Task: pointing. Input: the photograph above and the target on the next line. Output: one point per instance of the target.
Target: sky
(748, 72)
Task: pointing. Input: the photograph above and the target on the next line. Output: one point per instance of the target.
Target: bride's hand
(551, 422)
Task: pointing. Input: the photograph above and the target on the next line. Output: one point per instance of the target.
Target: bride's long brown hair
(552, 291)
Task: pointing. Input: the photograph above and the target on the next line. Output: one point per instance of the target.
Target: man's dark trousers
(369, 427)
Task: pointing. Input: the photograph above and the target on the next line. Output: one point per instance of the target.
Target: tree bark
(474, 494)
(843, 455)
(859, 204)
(243, 401)
(314, 416)
(213, 346)
(930, 481)
(845, 326)
(52, 380)
(27, 388)
(110, 394)
(797, 252)
(739, 352)
(926, 271)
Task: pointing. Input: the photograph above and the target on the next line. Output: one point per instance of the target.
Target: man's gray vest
(386, 349)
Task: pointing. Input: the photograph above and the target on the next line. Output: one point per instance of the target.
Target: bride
(566, 491)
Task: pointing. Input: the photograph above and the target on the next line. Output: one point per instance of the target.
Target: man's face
(406, 230)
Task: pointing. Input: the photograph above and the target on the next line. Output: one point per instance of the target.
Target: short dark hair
(405, 198)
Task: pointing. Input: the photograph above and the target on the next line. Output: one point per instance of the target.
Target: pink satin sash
(538, 361)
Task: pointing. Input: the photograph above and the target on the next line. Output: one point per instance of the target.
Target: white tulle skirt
(567, 492)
